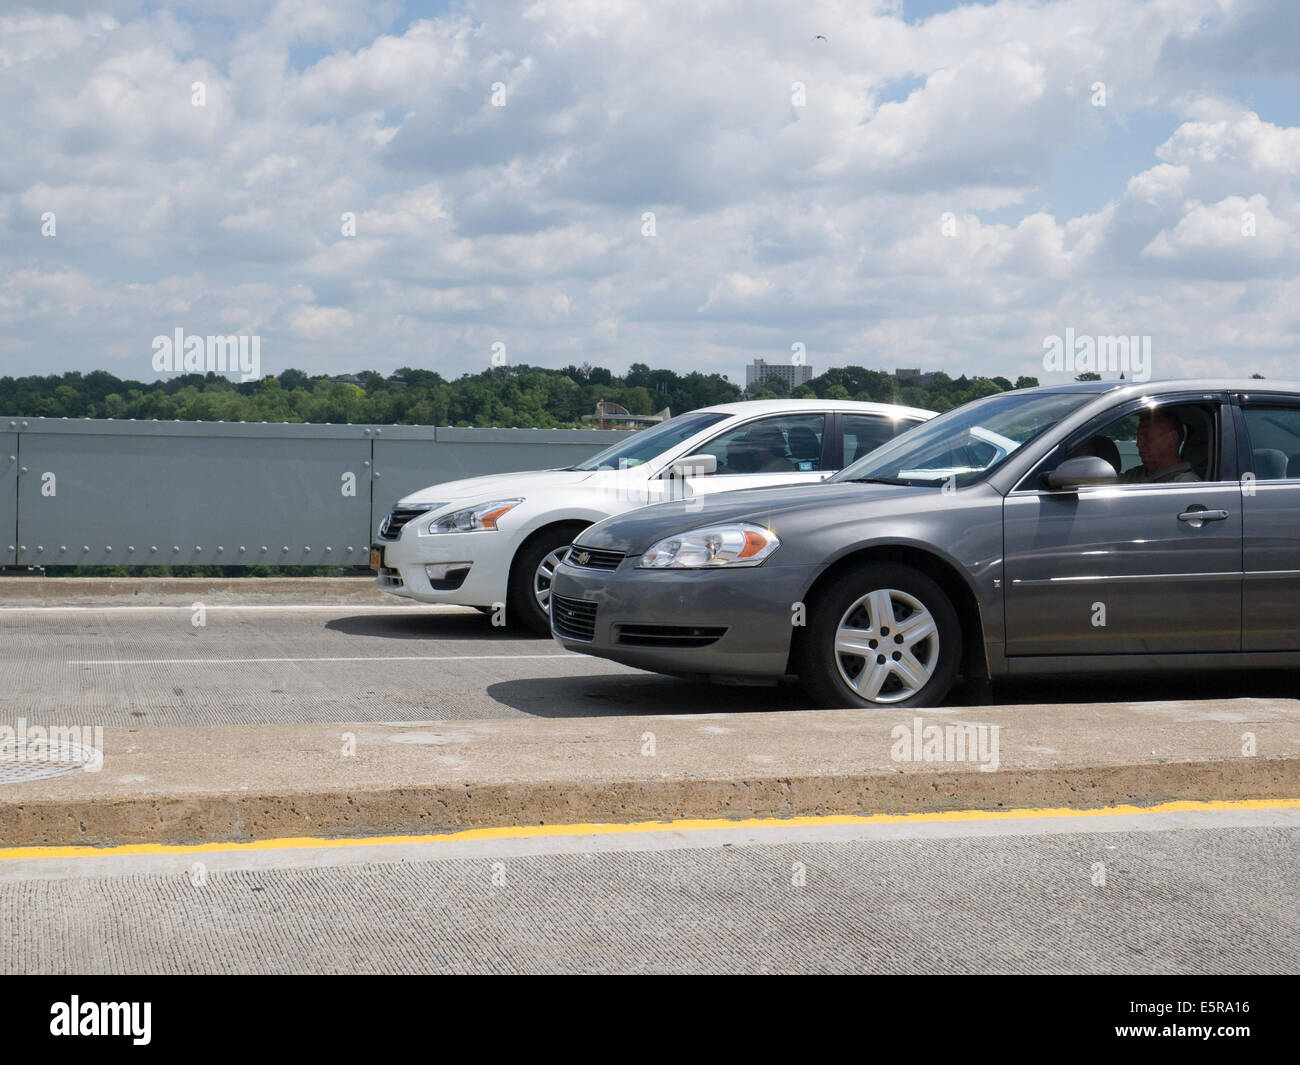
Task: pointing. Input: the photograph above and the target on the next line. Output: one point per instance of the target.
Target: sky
(686, 184)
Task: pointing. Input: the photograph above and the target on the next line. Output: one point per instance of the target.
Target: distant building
(914, 377)
(792, 375)
(611, 415)
(362, 379)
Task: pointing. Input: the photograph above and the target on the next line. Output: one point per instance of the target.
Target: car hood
(496, 486)
(633, 533)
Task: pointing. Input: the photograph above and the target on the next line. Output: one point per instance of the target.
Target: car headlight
(480, 518)
(716, 545)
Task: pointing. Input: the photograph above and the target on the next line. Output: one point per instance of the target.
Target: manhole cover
(25, 759)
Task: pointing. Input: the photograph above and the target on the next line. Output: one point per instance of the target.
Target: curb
(229, 818)
(182, 591)
(228, 784)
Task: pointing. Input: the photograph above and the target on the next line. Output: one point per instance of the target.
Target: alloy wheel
(887, 646)
(544, 575)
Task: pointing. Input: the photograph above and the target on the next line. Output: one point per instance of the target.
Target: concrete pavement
(265, 782)
(1203, 893)
(264, 663)
(492, 804)
(254, 661)
(242, 719)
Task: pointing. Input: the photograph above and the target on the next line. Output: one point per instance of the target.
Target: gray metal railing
(139, 493)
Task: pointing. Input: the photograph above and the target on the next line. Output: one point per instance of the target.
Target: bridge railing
(115, 492)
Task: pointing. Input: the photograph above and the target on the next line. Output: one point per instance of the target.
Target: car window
(863, 433)
(1274, 441)
(1165, 444)
(965, 444)
(645, 444)
(786, 443)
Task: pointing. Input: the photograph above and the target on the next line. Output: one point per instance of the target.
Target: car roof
(784, 406)
(1174, 384)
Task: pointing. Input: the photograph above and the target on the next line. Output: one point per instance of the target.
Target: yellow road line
(684, 825)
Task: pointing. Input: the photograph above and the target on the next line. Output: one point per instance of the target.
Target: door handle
(1196, 515)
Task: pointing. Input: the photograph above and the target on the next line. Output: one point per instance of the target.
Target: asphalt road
(1216, 893)
(152, 666)
(1182, 893)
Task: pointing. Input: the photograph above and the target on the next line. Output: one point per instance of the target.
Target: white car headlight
(717, 545)
(479, 518)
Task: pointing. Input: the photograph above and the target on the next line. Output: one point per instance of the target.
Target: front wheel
(529, 604)
(882, 635)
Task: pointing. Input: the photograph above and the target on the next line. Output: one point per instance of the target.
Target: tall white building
(794, 376)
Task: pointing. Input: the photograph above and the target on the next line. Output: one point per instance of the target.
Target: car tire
(913, 664)
(523, 611)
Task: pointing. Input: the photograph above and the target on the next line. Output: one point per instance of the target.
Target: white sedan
(494, 542)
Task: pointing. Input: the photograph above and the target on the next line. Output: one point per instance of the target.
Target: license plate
(376, 558)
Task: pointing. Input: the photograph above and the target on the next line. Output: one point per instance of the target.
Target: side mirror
(692, 466)
(1079, 472)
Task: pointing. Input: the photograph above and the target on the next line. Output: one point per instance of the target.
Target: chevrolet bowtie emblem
(583, 558)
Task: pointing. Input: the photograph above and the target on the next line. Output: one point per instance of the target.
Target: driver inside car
(1159, 436)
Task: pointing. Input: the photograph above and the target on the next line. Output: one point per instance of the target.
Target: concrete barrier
(199, 785)
(182, 591)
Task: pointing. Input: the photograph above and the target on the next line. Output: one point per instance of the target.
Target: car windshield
(966, 444)
(644, 444)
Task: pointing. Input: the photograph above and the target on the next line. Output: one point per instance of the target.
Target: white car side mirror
(692, 466)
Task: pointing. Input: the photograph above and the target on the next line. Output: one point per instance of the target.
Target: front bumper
(482, 557)
(714, 623)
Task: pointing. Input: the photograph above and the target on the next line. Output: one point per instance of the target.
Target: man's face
(1157, 442)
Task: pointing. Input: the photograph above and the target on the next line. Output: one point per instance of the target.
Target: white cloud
(1234, 227)
(316, 323)
(775, 222)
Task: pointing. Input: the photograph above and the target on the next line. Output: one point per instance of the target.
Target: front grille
(669, 635)
(593, 559)
(391, 527)
(574, 618)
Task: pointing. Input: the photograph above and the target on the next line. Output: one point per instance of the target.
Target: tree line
(519, 396)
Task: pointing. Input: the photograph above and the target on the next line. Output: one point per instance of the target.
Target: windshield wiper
(878, 480)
